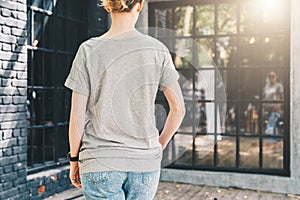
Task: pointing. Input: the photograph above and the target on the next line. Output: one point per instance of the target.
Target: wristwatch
(72, 159)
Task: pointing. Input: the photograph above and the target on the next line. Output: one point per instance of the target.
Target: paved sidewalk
(176, 191)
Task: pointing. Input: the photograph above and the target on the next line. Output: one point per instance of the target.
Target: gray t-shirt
(121, 78)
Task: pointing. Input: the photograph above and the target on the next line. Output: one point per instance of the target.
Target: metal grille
(249, 42)
(55, 30)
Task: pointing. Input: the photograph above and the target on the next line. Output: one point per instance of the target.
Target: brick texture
(13, 87)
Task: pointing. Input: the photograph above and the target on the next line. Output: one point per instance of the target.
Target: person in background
(115, 147)
(273, 91)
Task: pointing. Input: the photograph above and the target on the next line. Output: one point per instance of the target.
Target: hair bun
(119, 5)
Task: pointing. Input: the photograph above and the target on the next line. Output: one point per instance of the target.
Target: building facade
(248, 42)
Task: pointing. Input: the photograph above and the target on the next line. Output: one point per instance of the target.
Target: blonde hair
(119, 5)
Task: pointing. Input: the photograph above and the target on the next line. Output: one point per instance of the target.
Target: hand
(74, 174)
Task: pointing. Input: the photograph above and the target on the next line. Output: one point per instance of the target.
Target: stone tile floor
(177, 191)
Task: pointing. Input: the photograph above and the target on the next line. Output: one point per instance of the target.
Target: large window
(55, 30)
(249, 43)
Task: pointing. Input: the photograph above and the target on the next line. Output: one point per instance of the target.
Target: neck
(121, 22)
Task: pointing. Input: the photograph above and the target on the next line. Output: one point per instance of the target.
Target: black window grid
(285, 171)
(48, 139)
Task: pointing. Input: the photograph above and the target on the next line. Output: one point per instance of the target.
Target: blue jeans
(114, 185)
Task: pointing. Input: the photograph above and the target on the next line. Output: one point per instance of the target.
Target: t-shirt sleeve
(78, 78)
(169, 73)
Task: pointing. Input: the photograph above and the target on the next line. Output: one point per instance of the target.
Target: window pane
(250, 16)
(179, 149)
(205, 52)
(275, 50)
(231, 118)
(49, 72)
(49, 103)
(249, 152)
(36, 3)
(74, 11)
(62, 68)
(183, 20)
(272, 85)
(226, 52)
(205, 84)
(62, 107)
(49, 144)
(37, 148)
(231, 83)
(184, 53)
(227, 19)
(273, 116)
(273, 153)
(250, 51)
(249, 118)
(37, 68)
(274, 15)
(37, 111)
(204, 149)
(61, 142)
(205, 20)
(250, 88)
(38, 29)
(163, 19)
(207, 118)
(49, 32)
(227, 151)
(74, 33)
(60, 36)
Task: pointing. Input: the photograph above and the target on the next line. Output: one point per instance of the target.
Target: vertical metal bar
(32, 83)
(195, 60)
(215, 85)
(237, 152)
(55, 129)
(260, 125)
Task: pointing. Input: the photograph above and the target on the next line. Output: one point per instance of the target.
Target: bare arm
(176, 113)
(76, 128)
(77, 119)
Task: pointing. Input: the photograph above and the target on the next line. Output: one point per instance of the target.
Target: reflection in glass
(273, 111)
(204, 149)
(179, 149)
(163, 19)
(264, 15)
(273, 117)
(184, 53)
(249, 85)
(183, 20)
(226, 52)
(227, 19)
(250, 51)
(205, 50)
(249, 152)
(250, 16)
(249, 118)
(38, 25)
(231, 83)
(275, 50)
(273, 153)
(205, 20)
(231, 119)
(226, 151)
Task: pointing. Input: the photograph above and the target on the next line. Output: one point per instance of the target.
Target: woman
(273, 91)
(115, 148)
